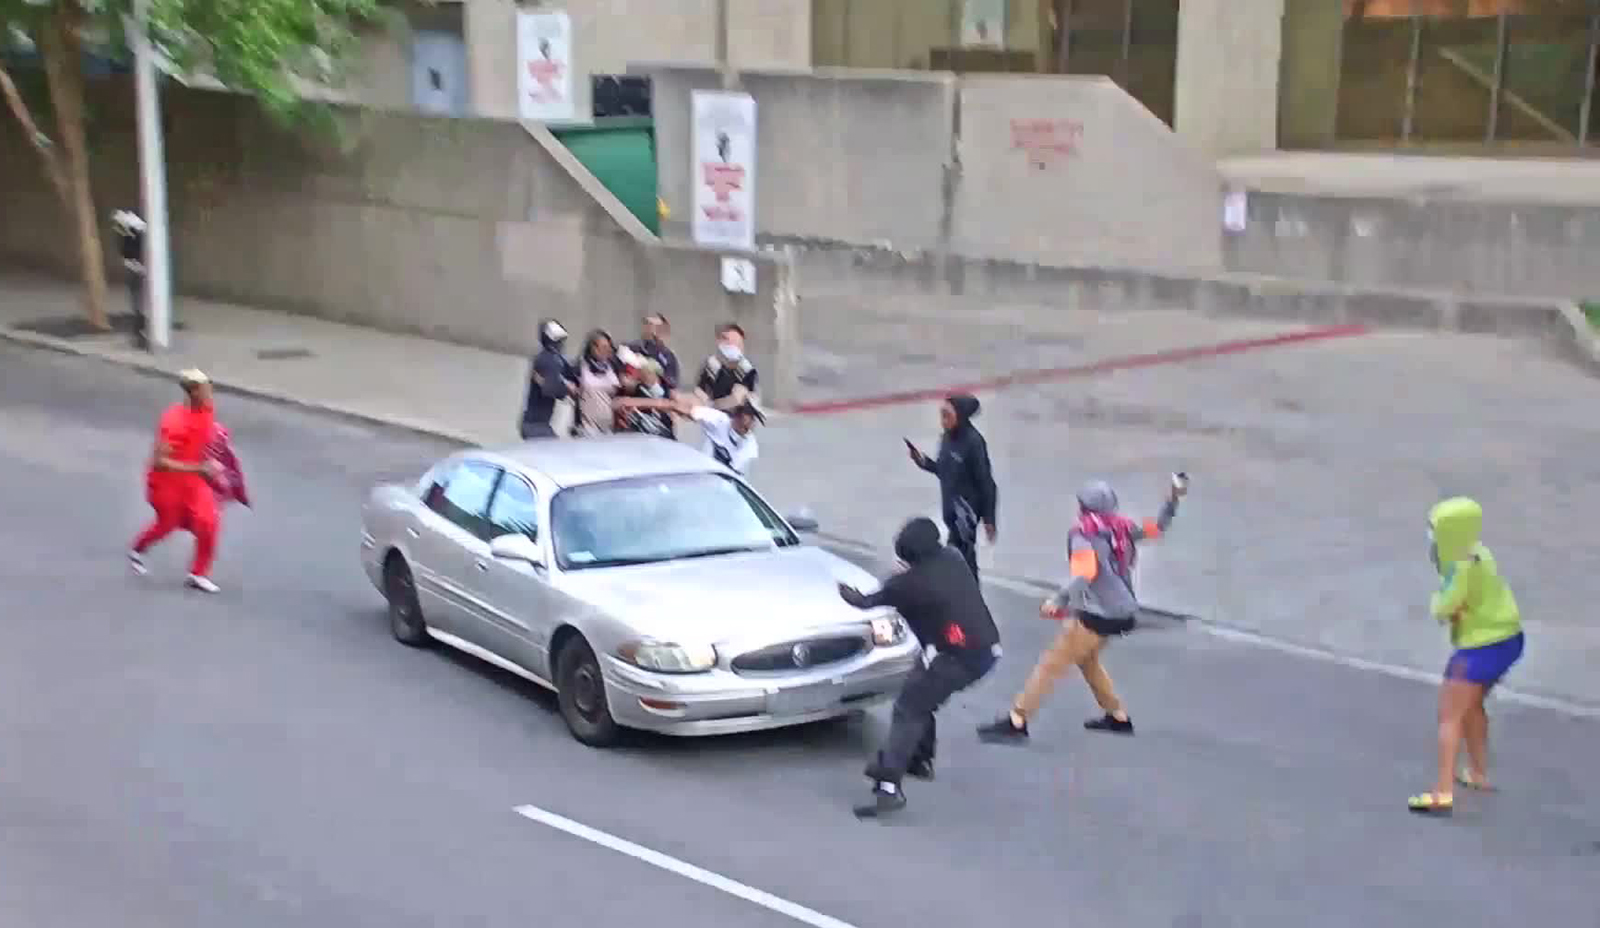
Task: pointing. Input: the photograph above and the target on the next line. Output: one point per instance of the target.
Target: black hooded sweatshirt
(967, 492)
(936, 594)
(547, 383)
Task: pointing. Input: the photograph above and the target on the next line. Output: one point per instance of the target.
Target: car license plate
(803, 700)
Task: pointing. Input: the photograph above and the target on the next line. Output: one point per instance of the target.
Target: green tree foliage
(279, 51)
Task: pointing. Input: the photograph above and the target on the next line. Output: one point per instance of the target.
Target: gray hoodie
(1097, 586)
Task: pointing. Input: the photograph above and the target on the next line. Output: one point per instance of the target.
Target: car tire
(405, 612)
(581, 694)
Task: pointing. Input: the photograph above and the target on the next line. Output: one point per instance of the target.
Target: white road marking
(673, 865)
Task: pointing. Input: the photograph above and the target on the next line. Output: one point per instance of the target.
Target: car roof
(604, 457)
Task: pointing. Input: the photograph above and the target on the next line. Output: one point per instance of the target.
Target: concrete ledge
(837, 268)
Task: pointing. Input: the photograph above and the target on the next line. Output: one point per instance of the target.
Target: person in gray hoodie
(1097, 604)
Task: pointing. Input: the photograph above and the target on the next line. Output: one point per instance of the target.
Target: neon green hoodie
(1472, 592)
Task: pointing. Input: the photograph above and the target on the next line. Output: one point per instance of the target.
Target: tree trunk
(63, 67)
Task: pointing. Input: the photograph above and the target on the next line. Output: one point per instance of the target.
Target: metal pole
(729, 79)
(153, 185)
(1588, 82)
(1127, 44)
(1501, 42)
(1412, 66)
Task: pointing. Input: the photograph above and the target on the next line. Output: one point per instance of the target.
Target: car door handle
(482, 565)
(412, 533)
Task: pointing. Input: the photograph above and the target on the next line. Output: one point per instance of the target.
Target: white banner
(724, 169)
(544, 67)
(983, 23)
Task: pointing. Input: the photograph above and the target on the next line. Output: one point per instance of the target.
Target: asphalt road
(271, 757)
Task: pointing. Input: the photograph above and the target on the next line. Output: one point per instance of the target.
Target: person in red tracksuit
(178, 482)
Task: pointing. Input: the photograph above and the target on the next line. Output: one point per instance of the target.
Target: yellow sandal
(1432, 804)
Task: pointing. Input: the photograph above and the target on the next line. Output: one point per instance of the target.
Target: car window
(464, 495)
(645, 520)
(514, 509)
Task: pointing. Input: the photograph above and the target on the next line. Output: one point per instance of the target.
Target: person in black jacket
(551, 380)
(938, 597)
(967, 492)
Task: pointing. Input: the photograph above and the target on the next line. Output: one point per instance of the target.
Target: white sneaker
(136, 563)
(202, 584)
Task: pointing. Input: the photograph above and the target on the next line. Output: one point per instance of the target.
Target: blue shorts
(1486, 665)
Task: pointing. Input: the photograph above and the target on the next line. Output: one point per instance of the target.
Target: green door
(621, 153)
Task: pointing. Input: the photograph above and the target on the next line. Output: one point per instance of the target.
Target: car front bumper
(721, 702)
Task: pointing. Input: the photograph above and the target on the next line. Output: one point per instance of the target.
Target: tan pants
(1076, 646)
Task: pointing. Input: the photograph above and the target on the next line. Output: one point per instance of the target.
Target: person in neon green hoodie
(1486, 631)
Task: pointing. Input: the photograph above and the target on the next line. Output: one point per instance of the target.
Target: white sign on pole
(544, 66)
(1235, 211)
(724, 169)
(738, 275)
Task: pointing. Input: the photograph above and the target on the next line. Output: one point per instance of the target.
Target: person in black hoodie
(551, 380)
(967, 491)
(938, 597)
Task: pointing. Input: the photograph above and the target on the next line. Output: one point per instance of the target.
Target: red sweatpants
(192, 506)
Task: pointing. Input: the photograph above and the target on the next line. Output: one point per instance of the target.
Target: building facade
(1230, 76)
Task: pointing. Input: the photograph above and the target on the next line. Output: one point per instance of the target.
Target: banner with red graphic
(724, 169)
(544, 66)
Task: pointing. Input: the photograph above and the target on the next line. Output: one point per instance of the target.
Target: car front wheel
(581, 692)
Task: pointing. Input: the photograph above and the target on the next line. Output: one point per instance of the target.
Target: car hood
(761, 595)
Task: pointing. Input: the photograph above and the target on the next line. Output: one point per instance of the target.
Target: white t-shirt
(736, 451)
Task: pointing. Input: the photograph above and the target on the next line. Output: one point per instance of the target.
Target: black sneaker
(920, 769)
(1111, 724)
(887, 799)
(1003, 731)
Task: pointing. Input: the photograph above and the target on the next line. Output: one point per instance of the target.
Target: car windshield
(651, 519)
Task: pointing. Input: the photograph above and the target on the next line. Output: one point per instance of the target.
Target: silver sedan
(645, 583)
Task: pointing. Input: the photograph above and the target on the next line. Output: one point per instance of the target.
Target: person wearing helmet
(1097, 604)
(550, 381)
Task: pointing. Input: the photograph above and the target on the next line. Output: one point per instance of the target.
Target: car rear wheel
(405, 613)
(581, 692)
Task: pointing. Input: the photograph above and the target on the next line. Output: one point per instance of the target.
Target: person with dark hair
(967, 493)
(599, 381)
(939, 598)
(728, 378)
(550, 381)
(1096, 605)
(653, 345)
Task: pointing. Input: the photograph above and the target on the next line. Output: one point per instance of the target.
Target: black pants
(913, 733)
(968, 548)
(531, 430)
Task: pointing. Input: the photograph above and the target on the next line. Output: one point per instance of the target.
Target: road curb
(229, 385)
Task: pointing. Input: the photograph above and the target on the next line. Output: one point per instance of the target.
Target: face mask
(655, 392)
(731, 353)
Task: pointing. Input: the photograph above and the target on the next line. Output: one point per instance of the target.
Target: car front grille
(800, 655)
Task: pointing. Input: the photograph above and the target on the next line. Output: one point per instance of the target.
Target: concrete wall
(929, 160)
(465, 230)
(1470, 246)
(1126, 194)
(1228, 71)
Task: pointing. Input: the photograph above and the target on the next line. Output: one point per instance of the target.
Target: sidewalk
(1314, 464)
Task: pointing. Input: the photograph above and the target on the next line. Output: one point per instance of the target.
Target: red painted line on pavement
(1053, 374)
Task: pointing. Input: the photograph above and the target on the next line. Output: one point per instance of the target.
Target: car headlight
(666, 657)
(889, 630)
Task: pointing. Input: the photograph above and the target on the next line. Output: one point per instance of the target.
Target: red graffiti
(723, 179)
(1046, 140)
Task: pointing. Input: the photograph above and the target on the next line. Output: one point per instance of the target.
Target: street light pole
(730, 80)
(153, 186)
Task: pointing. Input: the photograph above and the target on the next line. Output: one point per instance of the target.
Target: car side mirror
(516, 547)
(803, 521)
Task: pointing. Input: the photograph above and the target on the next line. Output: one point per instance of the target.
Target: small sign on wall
(544, 66)
(724, 152)
(1235, 211)
(738, 275)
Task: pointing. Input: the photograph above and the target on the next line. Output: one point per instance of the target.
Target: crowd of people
(193, 473)
(636, 387)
